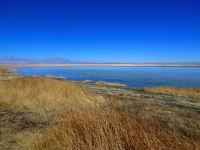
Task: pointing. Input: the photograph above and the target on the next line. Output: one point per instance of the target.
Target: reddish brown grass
(109, 130)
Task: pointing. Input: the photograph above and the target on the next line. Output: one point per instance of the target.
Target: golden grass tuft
(111, 84)
(185, 92)
(108, 130)
(6, 70)
(46, 94)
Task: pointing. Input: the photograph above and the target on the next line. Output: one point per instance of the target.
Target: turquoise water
(135, 77)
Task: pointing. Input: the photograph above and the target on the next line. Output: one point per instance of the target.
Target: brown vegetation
(185, 92)
(111, 84)
(82, 120)
(181, 119)
(44, 94)
(6, 70)
(108, 130)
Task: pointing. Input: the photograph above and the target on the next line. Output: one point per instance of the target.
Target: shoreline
(120, 90)
(104, 87)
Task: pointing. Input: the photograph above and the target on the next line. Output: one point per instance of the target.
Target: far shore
(114, 64)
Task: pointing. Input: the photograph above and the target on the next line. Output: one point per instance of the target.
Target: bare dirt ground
(13, 125)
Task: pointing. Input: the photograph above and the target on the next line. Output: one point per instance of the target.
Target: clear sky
(103, 30)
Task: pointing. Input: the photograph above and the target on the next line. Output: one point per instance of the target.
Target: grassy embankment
(71, 118)
(185, 92)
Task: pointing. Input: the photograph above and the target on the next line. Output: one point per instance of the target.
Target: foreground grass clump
(108, 130)
(111, 84)
(6, 70)
(46, 94)
(185, 92)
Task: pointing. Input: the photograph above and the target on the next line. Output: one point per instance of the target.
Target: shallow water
(135, 77)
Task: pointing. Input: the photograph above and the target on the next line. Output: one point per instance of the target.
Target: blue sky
(103, 30)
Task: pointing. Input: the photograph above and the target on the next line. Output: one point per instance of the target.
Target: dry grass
(78, 125)
(6, 70)
(44, 94)
(109, 130)
(111, 84)
(185, 92)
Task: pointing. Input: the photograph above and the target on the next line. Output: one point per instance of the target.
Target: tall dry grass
(84, 128)
(185, 92)
(44, 94)
(105, 130)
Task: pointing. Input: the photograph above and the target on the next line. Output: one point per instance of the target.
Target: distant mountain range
(59, 60)
(22, 60)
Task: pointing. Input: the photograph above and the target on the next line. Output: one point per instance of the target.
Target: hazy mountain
(60, 60)
(22, 60)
